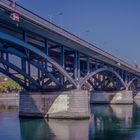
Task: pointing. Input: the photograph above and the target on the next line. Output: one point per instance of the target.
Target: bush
(9, 86)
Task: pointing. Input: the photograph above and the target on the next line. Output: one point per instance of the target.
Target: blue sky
(113, 25)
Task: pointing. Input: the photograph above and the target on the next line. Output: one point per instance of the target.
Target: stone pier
(115, 97)
(72, 104)
(137, 95)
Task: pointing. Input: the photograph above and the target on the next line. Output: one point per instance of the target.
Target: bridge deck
(33, 23)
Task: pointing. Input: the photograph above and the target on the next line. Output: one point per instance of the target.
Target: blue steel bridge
(58, 59)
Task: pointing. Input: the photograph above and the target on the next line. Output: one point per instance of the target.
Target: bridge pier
(72, 104)
(113, 97)
(137, 95)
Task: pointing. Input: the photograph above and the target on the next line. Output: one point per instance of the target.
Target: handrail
(65, 33)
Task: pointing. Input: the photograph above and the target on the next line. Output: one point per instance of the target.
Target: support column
(46, 52)
(72, 104)
(126, 77)
(113, 97)
(23, 61)
(62, 62)
(137, 95)
(25, 36)
(23, 67)
(75, 66)
(7, 59)
(88, 65)
(29, 71)
(96, 64)
(39, 72)
(78, 65)
(46, 47)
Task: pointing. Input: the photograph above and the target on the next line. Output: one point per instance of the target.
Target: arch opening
(134, 84)
(103, 79)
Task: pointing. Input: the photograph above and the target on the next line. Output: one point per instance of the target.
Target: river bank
(9, 96)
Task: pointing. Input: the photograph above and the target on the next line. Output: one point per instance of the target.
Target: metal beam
(46, 47)
(62, 57)
(15, 68)
(82, 82)
(78, 65)
(23, 44)
(88, 65)
(75, 66)
(62, 62)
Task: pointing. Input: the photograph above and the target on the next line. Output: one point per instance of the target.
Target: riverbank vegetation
(9, 86)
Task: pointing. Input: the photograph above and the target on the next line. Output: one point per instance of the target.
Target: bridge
(58, 70)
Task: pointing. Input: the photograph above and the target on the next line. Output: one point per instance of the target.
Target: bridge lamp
(119, 64)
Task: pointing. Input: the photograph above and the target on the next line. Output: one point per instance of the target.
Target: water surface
(108, 122)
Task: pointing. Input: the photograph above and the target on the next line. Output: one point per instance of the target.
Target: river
(107, 122)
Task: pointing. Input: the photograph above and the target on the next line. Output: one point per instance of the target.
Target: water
(114, 122)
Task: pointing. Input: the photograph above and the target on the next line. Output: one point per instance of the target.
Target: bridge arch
(90, 75)
(132, 81)
(13, 45)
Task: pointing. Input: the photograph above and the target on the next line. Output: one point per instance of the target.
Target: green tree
(9, 86)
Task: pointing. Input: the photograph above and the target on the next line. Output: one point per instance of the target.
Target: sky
(112, 25)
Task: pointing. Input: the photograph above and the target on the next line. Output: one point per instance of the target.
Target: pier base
(137, 96)
(72, 104)
(118, 97)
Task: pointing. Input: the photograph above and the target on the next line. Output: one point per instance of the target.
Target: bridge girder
(48, 67)
(53, 72)
(133, 84)
(92, 78)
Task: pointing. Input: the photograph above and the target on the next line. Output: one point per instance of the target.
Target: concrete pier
(137, 95)
(115, 97)
(72, 104)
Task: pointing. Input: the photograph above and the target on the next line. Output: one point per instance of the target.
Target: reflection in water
(69, 129)
(107, 122)
(9, 122)
(112, 122)
(125, 113)
(9, 105)
(41, 129)
(35, 129)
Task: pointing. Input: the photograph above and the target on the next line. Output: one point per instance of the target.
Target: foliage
(9, 86)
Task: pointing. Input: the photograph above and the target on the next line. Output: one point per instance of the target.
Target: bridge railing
(41, 21)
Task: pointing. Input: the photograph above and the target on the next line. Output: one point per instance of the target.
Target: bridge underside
(56, 67)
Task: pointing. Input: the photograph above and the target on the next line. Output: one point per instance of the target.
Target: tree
(9, 86)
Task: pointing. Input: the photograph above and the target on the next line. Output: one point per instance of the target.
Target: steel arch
(13, 78)
(19, 71)
(130, 82)
(15, 41)
(88, 76)
(23, 56)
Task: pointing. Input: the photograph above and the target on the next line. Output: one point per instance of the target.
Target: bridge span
(57, 70)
